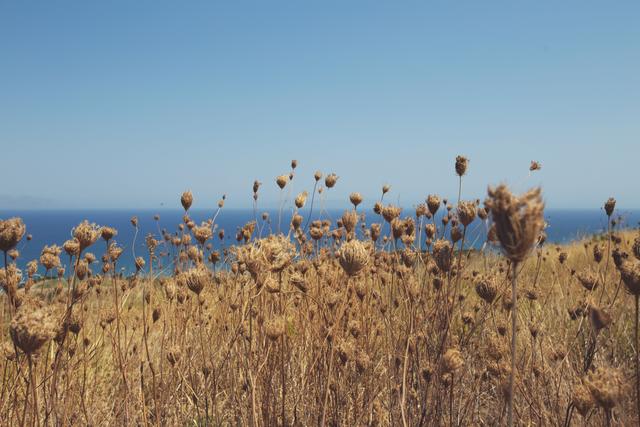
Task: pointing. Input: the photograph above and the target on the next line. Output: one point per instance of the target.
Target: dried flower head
(32, 326)
(606, 386)
(353, 256)
(86, 234)
(442, 254)
(108, 233)
(356, 199)
(461, 165)
(466, 212)
(186, 200)
(535, 166)
(609, 206)
(330, 180)
(301, 199)
(518, 220)
(11, 231)
(433, 203)
(282, 181)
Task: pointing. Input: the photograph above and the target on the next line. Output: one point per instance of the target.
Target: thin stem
(514, 275)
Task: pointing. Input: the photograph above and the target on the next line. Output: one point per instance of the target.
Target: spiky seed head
(386, 188)
(433, 203)
(11, 232)
(330, 180)
(607, 386)
(301, 199)
(108, 233)
(32, 326)
(86, 234)
(356, 199)
(186, 200)
(452, 361)
(317, 176)
(466, 212)
(518, 220)
(282, 181)
(294, 164)
(535, 166)
(486, 289)
(609, 206)
(461, 165)
(353, 257)
(140, 262)
(442, 254)
(275, 328)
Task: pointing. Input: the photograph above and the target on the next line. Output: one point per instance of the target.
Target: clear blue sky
(127, 104)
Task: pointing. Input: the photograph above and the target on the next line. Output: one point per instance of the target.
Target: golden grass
(322, 328)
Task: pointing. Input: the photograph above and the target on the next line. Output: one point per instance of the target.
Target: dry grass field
(343, 323)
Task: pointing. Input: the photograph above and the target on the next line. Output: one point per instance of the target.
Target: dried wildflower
(442, 254)
(535, 166)
(486, 289)
(349, 220)
(356, 199)
(636, 248)
(353, 256)
(86, 234)
(330, 180)
(461, 165)
(599, 318)
(630, 274)
(202, 233)
(588, 280)
(609, 206)
(282, 181)
(11, 231)
(390, 212)
(606, 385)
(301, 199)
(31, 327)
(452, 361)
(275, 328)
(195, 279)
(108, 233)
(139, 261)
(50, 257)
(518, 220)
(433, 203)
(186, 200)
(466, 212)
(583, 400)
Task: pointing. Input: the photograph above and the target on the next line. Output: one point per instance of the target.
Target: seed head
(518, 220)
(609, 206)
(31, 327)
(606, 386)
(353, 256)
(86, 234)
(11, 231)
(330, 180)
(356, 199)
(282, 181)
(535, 166)
(186, 200)
(461, 165)
(108, 233)
(301, 199)
(466, 212)
(442, 254)
(452, 361)
(433, 203)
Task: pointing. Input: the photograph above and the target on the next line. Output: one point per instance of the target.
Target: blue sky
(126, 104)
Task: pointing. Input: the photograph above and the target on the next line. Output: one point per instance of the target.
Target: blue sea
(54, 226)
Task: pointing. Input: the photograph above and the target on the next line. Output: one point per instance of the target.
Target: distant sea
(54, 226)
